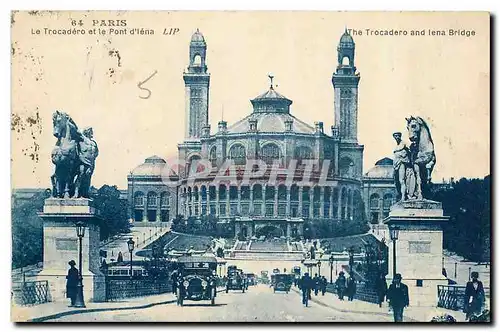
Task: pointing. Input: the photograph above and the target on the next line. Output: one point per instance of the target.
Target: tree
(27, 231)
(113, 211)
(467, 202)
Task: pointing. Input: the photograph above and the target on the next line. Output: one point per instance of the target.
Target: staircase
(268, 250)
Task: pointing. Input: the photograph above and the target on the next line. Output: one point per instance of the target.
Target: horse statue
(73, 156)
(64, 155)
(422, 158)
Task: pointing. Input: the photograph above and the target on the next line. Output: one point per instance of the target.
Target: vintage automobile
(282, 282)
(197, 279)
(236, 280)
(251, 279)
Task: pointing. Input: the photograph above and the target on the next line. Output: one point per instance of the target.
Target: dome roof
(383, 169)
(271, 101)
(346, 40)
(153, 166)
(197, 37)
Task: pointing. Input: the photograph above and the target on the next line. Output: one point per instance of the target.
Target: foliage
(205, 225)
(27, 231)
(467, 202)
(113, 211)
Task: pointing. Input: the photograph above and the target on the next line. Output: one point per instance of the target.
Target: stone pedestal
(60, 245)
(419, 248)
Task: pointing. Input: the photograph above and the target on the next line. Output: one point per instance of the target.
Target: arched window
(197, 60)
(152, 199)
(194, 165)
(294, 192)
(211, 193)
(387, 201)
(281, 192)
(245, 192)
(213, 156)
(271, 153)
(257, 192)
(222, 192)
(270, 193)
(139, 199)
(203, 193)
(343, 203)
(346, 167)
(374, 202)
(374, 208)
(237, 154)
(164, 198)
(305, 194)
(233, 193)
(345, 61)
(195, 193)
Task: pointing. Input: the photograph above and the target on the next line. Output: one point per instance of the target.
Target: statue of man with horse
(73, 156)
(413, 165)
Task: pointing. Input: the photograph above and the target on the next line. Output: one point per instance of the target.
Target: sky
(444, 79)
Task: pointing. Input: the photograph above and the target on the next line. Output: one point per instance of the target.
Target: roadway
(258, 304)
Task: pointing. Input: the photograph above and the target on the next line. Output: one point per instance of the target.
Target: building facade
(269, 168)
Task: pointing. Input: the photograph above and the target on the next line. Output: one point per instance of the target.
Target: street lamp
(319, 268)
(394, 234)
(80, 232)
(331, 267)
(130, 244)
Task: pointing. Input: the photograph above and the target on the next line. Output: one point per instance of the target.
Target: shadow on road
(205, 305)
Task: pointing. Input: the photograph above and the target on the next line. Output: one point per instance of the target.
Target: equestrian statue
(73, 156)
(413, 164)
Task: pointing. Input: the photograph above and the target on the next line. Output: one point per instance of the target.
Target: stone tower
(345, 83)
(197, 83)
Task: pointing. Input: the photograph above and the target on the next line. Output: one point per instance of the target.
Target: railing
(31, 292)
(363, 292)
(451, 297)
(126, 288)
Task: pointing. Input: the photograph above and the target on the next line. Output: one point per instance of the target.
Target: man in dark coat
(316, 281)
(72, 282)
(381, 287)
(398, 298)
(323, 285)
(351, 288)
(306, 283)
(340, 284)
(474, 296)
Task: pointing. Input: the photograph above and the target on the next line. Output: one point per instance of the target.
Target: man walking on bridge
(306, 283)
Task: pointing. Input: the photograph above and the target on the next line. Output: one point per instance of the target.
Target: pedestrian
(323, 285)
(340, 284)
(397, 295)
(72, 282)
(351, 288)
(474, 296)
(306, 284)
(174, 276)
(316, 284)
(120, 258)
(381, 288)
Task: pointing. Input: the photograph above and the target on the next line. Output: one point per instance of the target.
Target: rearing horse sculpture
(422, 156)
(64, 155)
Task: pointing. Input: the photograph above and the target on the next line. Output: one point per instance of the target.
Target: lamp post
(79, 300)
(331, 268)
(319, 268)
(131, 244)
(394, 233)
(351, 260)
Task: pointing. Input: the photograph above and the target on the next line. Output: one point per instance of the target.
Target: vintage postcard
(250, 166)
